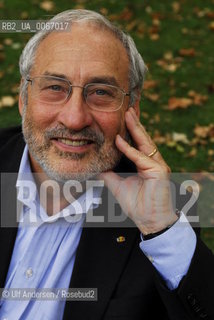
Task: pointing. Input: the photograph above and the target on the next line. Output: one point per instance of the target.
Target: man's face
(71, 141)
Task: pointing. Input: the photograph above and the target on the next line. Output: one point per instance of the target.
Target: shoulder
(11, 149)
(9, 134)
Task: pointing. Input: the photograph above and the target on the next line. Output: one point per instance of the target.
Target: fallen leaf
(175, 103)
(210, 152)
(180, 148)
(160, 139)
(210, 14)
(148, 10)
(47, 5)
(171, 67)
(204, 131)
(145, 115)
(153, 30)
(201, 13)
(15, 88)
(130, 26)
(156, 22)
(157, 15)
(24, 15)
(180, 137)
(187, 52)
(185, 30)
(104, 11)
(152, 96)
(193, 152)
(8, 41)
(176, 7)
(154, 37)
(168, 55)
(149, 84)
(2, 56)
(16, 46)
(197, 140)
(198, 99)
(211, 26)
(155, 119)
(7, 101)
(125, 15)
(141, 28)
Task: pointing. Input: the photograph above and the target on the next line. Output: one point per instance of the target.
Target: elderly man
(79, 102)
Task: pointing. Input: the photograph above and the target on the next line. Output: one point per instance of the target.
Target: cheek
(40, 115)
(111, 124)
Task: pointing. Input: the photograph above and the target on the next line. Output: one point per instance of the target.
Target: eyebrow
(58, 75)
(105, 80)
(100, 79)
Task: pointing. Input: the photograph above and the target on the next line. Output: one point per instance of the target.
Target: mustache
(85, 133)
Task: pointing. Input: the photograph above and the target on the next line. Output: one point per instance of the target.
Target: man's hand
(145, 197)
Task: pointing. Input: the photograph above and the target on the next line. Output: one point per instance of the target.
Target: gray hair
(137, 68)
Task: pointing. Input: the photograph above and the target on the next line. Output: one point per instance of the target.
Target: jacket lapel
(100, 261)
(10, 157)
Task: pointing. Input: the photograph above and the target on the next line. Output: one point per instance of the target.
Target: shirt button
(29, 273)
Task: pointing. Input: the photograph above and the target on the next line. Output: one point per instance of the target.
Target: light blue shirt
(44, 255)
(171, 252)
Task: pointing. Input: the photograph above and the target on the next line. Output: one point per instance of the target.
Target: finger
(140, 135)
(141, 161)
(141, 138)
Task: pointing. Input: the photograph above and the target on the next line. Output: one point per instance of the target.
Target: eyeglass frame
(28, 79)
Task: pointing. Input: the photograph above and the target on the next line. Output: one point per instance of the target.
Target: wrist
(153, 234)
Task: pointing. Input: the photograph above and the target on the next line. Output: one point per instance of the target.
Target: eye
(101, 92)
(56, 87)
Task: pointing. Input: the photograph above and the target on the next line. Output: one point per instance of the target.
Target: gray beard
(103, 160)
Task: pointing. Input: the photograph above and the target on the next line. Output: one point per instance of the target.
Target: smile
(74, 143)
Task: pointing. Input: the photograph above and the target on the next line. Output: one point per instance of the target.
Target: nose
(75, 113)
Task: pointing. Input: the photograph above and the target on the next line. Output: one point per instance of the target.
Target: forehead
(81, 53)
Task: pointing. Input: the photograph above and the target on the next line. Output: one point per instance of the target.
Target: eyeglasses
(56, 91)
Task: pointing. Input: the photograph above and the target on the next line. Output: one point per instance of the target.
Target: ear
(21, 103)
(136, 106)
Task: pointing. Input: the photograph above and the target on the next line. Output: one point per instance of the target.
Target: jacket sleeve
(193, 299)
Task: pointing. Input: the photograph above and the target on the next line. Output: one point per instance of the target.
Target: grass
(161, 30)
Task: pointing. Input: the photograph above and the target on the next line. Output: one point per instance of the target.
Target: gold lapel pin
(121, 239)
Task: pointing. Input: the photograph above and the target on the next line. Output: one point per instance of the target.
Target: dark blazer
(129, 287)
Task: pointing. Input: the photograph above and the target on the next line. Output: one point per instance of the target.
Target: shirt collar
(28, 195)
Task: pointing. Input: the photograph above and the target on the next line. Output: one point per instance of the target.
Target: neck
(54, 196)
